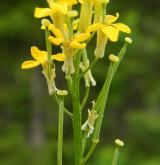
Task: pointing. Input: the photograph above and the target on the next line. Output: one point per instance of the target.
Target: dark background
(28, 116)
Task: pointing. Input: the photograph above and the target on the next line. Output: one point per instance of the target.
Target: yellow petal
(122, 27)
(38, 55)
(77, 45)
(58, 57)
(93, 27)
(81, 1)
(111, 18)
(69, 2)
(60, 8)
(55, 41)
(55, 31)
(42, 12)
(111, 32)
(81, 37)
(30, 64)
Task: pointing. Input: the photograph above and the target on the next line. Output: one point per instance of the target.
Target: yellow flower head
(112, 29)
(40, 58)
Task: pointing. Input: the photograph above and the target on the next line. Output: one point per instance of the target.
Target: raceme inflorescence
(70, 25)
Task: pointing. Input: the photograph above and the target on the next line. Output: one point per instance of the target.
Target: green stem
(115, 157)
(90, 152)
(85, 97)
(77, 114)
(60, 132)
(48, 44)
(102, 103)
(120, 55)
(68, 113)
(49, 50)
(84, 140)
(65, 110)
(69, 83)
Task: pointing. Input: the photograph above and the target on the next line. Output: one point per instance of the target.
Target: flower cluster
(71, 31)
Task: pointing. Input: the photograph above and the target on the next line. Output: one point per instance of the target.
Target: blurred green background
(28, 116)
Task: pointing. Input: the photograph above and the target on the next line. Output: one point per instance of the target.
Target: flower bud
(62, 92)
(113, 58)
(45, 22)
(128, 40)
(119, 143)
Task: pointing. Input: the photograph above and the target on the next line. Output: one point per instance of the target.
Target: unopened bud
(72, 13)
(62, 92)
(113, 58)
(119, 143)
(45, 22)
(128, 40)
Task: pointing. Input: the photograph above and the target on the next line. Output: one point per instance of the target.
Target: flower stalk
(77, 120)
(60, 132)
(119, 144)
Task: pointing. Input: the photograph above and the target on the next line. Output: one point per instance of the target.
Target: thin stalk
(48, 44)
(85, 97)
(84, 140)
(69, 83)
(77, 121)
(89, 153)
(115, 157)
(60, 132)
(65, 110)
(103, 100)
(120, 55)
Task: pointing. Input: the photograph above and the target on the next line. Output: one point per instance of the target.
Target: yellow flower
(40, 58)
(77, 42)
(110, 30)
